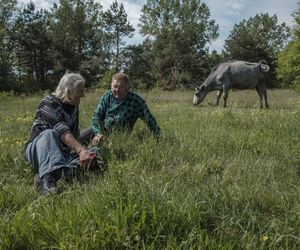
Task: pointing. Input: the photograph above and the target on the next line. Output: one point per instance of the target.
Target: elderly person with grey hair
(54, 147)
(119, 108)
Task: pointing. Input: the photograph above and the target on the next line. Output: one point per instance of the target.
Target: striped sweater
(53, 114)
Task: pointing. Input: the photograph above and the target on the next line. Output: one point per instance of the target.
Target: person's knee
(86, 136)
(49, 133)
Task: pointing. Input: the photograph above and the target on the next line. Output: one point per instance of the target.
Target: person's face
(79, 93)
(119, 89)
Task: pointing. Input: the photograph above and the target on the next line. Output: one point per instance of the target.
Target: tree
(117, 27)
(32, 46)
(288, 65)
(77, 32)
(259, 37)
(296, 30)
(138, 64)
(7, 9)
(180, 30)
(289, 59)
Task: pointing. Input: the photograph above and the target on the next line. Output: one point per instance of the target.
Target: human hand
(98, 138)
(85, 157)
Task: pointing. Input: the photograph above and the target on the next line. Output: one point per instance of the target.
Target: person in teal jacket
(119, 109)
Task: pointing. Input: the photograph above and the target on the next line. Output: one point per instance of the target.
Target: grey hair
(67, 86)
(122, 77)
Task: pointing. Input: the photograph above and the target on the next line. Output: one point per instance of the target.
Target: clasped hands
(85, 156)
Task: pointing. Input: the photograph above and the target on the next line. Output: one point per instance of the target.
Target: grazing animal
(234, 75)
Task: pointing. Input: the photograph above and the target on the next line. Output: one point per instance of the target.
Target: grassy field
(218, 179)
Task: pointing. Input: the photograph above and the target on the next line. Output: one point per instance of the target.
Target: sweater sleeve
(149, 119)
(51, 116)
(99, 114)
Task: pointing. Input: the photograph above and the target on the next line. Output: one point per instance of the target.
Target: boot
(48, 184)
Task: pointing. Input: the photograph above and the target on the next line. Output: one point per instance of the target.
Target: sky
(227, 13)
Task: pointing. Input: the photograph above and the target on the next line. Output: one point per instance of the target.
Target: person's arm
(84, 156)
(98, 118)
(50, 115)
(149, 120)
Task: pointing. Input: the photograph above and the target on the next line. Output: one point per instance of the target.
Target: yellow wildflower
(264, 238)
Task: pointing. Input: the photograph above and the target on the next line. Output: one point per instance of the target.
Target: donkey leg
(266, 98)
(219, 93)
(259, 92)
(225, 95)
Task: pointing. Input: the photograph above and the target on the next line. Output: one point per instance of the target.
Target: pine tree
(181, 30)
(117, 28)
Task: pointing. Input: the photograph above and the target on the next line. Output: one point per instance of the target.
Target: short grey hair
(121, 77)
(67, 86)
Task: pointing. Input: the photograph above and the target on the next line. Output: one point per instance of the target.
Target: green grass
(218, 179)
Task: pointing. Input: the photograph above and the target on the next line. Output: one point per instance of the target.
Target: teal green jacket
(113, 114)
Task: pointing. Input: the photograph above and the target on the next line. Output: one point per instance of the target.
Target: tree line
(38, 45)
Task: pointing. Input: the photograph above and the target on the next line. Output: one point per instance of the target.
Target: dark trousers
(86, 136)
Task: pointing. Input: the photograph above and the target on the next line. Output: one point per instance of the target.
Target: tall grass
(217, 179)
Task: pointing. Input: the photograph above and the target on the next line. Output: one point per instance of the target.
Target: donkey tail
(263, 66)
